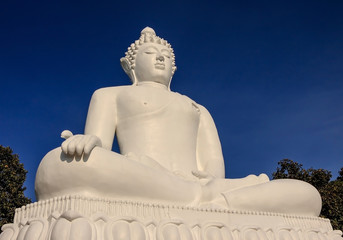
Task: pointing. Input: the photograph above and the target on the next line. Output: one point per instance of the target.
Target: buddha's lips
(160, 66)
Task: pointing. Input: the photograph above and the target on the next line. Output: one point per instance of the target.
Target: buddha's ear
(127, 69)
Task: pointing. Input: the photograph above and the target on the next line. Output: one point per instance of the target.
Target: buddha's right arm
(79, 144)
(102, 116)
(99, 129)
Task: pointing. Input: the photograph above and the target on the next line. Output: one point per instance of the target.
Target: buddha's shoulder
(188, 99)
(201, 109)
(138, 92)
(128, 92)
(109, 91)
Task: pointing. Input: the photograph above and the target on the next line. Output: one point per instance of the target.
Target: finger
(73, 143)
(92, 142)
(200, 174)
(196, 173)
(65, 144)
(81, 145)
(66, 134)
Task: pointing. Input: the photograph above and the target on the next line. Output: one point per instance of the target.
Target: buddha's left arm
(209, 151)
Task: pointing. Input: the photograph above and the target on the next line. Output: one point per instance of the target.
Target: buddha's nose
(160, 58)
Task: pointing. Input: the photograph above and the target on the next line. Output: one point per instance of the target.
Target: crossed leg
(111, 175)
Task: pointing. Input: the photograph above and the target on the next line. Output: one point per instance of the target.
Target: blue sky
(270, 73)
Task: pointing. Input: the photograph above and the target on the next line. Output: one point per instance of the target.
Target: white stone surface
(78, 217)
(169, 148)
(167, 182)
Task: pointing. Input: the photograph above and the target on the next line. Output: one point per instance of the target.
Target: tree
(12, 177)
(340, 177)
(330, 191)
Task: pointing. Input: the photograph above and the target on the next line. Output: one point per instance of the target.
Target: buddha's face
(153, 63)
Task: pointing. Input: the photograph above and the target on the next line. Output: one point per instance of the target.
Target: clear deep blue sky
(270, 73)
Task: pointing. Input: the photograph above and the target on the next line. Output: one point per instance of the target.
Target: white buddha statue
(169, 148)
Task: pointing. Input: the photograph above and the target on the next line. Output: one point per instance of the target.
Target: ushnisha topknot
(148, 35)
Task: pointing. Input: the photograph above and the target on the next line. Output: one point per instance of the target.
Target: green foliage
(12, 177)
(340, 177)
(331, 191)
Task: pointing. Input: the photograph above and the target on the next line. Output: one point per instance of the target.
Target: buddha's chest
(142, 101)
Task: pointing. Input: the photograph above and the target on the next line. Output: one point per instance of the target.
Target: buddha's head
(150, 58)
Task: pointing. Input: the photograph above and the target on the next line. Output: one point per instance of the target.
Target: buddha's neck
(152, 84)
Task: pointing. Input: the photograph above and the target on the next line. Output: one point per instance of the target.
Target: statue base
(78, 217)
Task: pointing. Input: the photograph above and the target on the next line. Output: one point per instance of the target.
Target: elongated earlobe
(128, 70)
